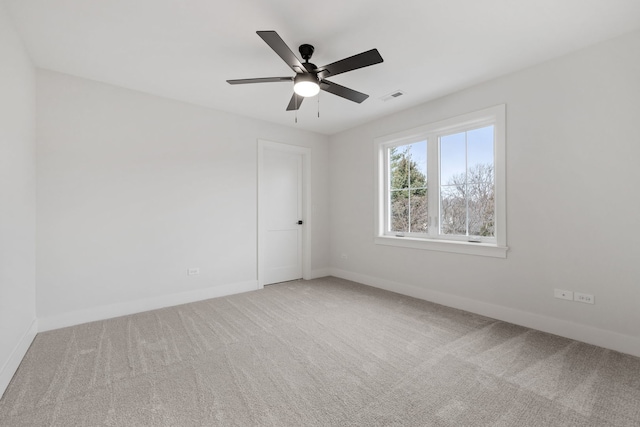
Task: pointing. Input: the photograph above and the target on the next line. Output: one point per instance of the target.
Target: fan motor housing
(306, 51)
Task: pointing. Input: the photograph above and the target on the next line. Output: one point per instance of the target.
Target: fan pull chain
(318, 104)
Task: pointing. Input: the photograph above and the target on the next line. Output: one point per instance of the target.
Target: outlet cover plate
(563, 294)
(585, 298)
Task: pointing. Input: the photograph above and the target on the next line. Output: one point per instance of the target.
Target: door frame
(305, 152)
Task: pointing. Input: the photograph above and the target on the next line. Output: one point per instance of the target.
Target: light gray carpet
(326, 352)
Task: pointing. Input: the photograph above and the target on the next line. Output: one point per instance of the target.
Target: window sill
(468, 248)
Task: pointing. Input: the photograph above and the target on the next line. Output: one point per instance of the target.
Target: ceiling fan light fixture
(306, 85)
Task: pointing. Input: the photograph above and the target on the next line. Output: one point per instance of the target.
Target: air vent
(392, 95)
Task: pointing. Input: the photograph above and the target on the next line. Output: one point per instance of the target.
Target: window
(442, 186)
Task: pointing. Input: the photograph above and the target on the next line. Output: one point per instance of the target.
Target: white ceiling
(187, 49)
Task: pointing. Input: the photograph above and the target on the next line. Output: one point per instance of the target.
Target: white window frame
(493, 247)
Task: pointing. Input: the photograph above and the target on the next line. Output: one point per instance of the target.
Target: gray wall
(17, 200)
(573, 146)
(134, 189)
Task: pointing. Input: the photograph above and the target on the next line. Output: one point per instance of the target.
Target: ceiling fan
(309, 78)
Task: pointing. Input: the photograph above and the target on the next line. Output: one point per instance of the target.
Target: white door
(282, 216)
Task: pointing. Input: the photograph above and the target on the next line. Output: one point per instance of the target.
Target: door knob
(300, 222)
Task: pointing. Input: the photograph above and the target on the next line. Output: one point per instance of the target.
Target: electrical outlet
(193, 271)
(562, 294)
(585, 298)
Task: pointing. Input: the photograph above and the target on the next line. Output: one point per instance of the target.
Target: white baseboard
(321, 272)
(11, 366)
(146, 304)
(608, 339)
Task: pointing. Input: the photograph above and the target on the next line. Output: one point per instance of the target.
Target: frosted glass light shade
(306, 85)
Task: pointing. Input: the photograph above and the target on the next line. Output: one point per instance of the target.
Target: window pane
(453, 163)
(408, 188)
(419, 212)
(467, 183)
(481, 183)
(453, 205)
(480, 155)
(399, 211)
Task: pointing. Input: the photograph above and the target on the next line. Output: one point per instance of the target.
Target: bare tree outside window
(468, 200)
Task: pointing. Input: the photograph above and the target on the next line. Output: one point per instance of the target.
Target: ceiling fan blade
(295, 102)
(260, 80)
(344, 92)
(354, 62)
(280, 47)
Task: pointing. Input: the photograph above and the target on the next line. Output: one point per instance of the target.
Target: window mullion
(408, 163)
(466, 181)
(387, 191)
(433, 184)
